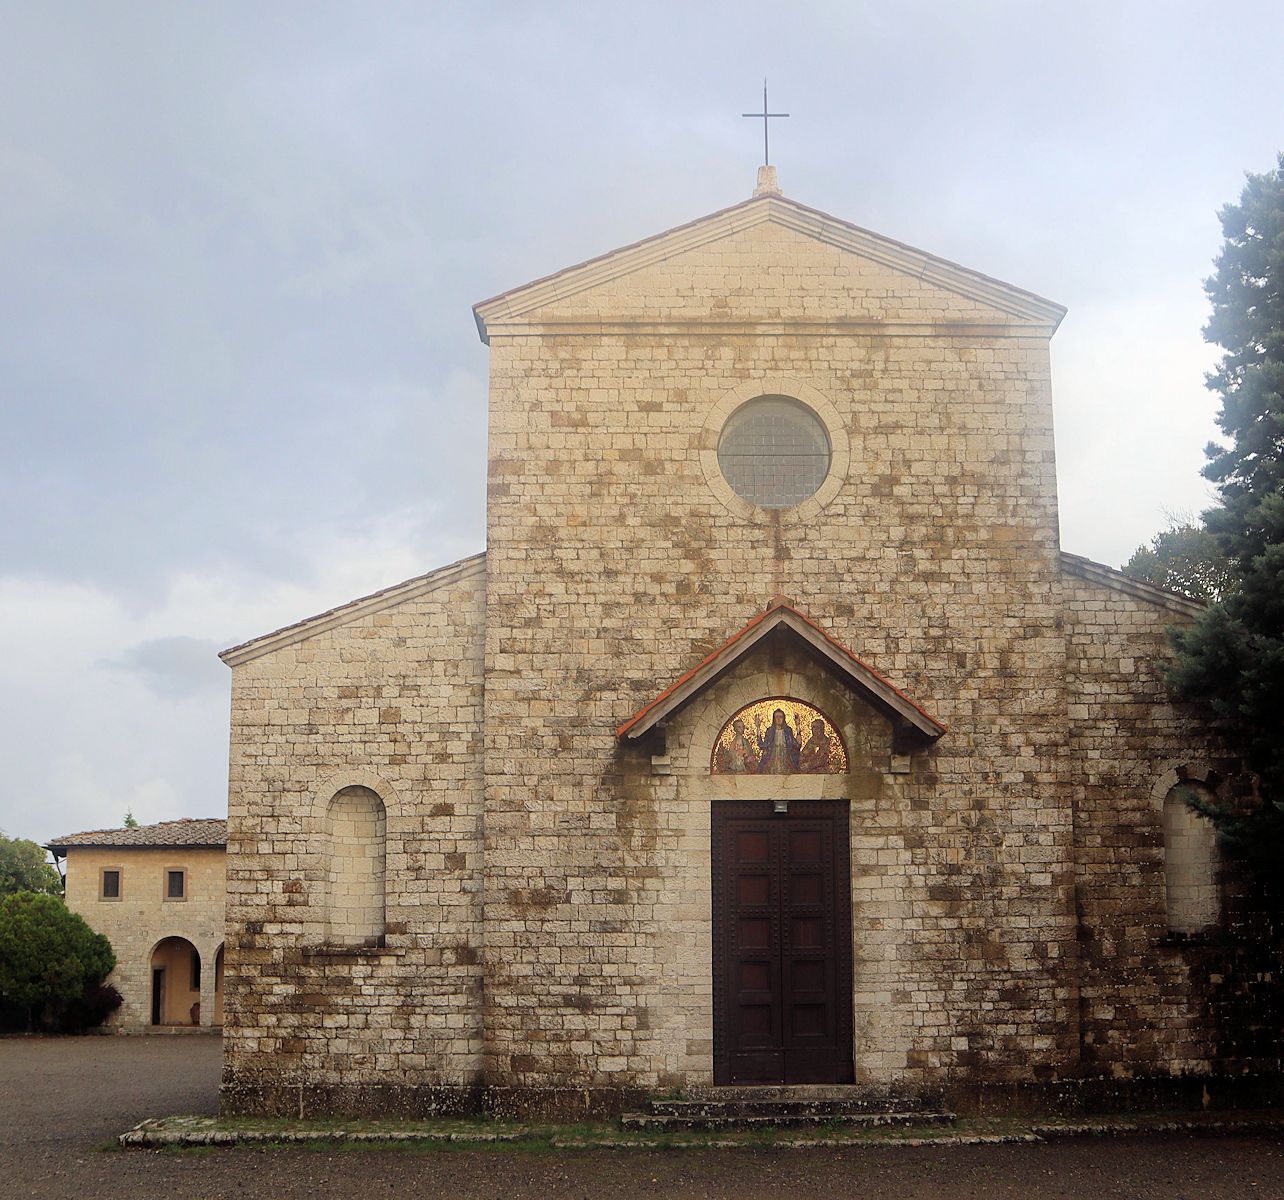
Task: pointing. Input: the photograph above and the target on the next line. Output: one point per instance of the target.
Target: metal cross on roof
(764, 117)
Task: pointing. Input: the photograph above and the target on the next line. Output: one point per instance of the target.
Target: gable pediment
(766, 261)
(911, 721)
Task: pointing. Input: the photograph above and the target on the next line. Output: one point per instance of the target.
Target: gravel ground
(62, 1099)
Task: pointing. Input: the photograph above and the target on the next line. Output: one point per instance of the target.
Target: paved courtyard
(63, 1099)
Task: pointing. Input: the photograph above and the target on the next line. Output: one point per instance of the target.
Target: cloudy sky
(239, 244)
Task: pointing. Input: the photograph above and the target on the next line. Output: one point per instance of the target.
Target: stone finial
(768, 184)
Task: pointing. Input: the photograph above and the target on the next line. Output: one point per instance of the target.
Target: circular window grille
(774, 452)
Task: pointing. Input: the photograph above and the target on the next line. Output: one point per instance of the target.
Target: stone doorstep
(206, 1131)
(793, 1101)
(827, 1093)
(750, 1107)
(782, 1120)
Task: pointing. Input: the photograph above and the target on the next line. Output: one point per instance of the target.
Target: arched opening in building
(176, 982)
(218, 987)
(1190, 860)
(357, 827)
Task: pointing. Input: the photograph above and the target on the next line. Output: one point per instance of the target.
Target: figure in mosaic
(738, 755)
(814, 757)
(766, 738)
(779, 747)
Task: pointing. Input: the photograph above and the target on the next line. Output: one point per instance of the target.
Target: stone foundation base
(1070, 1097)
(1060, 1098)
(243, 1098)
(255, 1098)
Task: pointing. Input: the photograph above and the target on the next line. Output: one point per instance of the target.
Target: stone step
(655, 1122)
(850, 1106)
(804, 1091)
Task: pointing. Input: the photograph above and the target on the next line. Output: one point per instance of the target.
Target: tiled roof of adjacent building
(189, 833)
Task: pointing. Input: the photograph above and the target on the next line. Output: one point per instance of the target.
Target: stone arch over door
(175, 971)
(779, 735)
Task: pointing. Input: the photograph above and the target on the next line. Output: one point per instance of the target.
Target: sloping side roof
(354, 610)
(188, 833)
(928, 268)
(857, 673)
(1138, 589)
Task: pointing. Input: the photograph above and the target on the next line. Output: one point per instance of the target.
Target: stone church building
(773, 740)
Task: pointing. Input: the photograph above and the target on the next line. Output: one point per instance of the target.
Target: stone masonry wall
(615, 563)
(144, 915)
(391, 702)
(1154, 1000)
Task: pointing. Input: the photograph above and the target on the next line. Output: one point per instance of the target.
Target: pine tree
(1232, 661)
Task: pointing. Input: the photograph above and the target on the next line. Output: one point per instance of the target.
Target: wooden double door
(782, 942)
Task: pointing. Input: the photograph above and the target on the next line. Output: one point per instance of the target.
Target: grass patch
(206, 1135)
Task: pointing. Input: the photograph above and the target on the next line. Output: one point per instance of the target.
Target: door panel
(782, 943)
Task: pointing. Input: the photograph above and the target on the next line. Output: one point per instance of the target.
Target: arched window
(357, 826)
(1190, 862)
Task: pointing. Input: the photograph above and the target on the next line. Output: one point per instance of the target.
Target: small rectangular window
(111, 884)
(175, 885)
(196, 971)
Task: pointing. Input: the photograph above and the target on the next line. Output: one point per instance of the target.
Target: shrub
(49, 959)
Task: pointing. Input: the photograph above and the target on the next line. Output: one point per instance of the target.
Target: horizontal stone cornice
(511, 306)
(704, 328)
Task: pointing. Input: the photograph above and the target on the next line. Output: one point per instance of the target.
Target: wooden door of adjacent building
(782, 945)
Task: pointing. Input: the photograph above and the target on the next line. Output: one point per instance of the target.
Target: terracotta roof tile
(189, 832)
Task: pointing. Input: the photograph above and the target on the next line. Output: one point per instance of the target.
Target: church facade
(772, 740)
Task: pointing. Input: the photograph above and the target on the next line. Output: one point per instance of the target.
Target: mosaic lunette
(779, 736)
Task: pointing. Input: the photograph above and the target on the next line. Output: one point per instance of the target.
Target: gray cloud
(239, 245)
(174, 667)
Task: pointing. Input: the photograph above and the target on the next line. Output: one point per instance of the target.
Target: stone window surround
(165, 877)
(774, 452)
(120, 884)
(793, 389)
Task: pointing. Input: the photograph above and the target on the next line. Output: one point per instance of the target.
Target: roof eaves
(719, 660)
(363, 606)
(184, 833)
(61, 848)
(1140, 589)
(932, 268)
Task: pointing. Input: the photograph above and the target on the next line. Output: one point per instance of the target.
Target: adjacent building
(158, 893)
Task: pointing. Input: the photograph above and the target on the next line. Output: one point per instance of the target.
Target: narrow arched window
(357, 827)
(1190, 862)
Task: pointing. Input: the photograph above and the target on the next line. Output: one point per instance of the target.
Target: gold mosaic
(779, 736)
